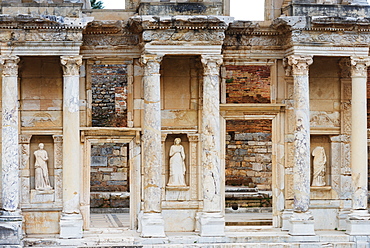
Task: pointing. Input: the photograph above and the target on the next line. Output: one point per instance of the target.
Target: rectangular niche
(185, 143)
(321, 143)
(47, 140)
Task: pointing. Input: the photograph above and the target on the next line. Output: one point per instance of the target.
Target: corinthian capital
(299, 64)
(151, 63)
(10, 65)
(71, 65)
(359, 66)
(211, 64)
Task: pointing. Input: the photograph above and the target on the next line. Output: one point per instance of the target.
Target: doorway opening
(248, 173)
(109, 186)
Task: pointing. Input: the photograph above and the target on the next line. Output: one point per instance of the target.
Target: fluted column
(152, 224)
(359, 219)
(212, 222)
(10, 218)
(71, 220)
(301, 220)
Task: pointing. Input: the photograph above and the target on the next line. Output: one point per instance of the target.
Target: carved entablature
(23, 28)
(176, 29)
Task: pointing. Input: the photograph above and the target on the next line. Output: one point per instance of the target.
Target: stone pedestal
(10, 218)
(212, 222)
(152, 222)
(71, 220)
(359, 218)
(301, 222)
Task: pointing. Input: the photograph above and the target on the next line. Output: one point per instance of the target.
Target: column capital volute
(71, 65)
(10, 65)
(359, 66)
(300, 64)
(151, 58)
(211, 63)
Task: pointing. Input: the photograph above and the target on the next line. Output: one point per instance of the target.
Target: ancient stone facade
(278, 105)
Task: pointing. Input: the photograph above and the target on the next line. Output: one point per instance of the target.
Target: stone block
(116, 161)
(358, 227)
(212, 225)
(42, 222)
(10, 232)
(119, 176)
(179, 220)
(99, 161)
(42, 196)
(71, 226)
(151, 225)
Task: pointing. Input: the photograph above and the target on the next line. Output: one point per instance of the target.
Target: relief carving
(335, 38)
(39, 120)
(58, 151)
(182, 35)
(109, 40)
(324, 119)
(177, 164)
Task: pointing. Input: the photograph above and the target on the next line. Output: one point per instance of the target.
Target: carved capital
(211, 64)
(25, 138)
(71, 65)
(193, 137)
(10, 65)
(58, 138)
(299, 64)
(151, 63)
(359, 66)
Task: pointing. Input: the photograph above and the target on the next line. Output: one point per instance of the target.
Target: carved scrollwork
(300, 64)
(359, 66)
(211, 64)
(71, 65)
(183, 35)
(10, 65)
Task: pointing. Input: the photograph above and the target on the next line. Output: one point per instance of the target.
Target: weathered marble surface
(71, 221)
(10, 132)
(152, 221)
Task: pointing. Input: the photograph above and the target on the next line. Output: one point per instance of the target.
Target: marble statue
(41, 169)
(319, 167)
(177, 164)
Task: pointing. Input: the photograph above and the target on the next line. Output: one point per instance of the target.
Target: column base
(302, 224)
(286, 215)
(212, 225)
(152, 225)
(11, 229)
(71, 226)
(358, 223)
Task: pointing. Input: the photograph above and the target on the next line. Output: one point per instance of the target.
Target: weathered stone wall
(248, 84)
(109, 95)
(109, 176)
(248, 153)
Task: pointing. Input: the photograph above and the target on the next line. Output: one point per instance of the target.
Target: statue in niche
(41, 169)
(177, 164)
(319, 167)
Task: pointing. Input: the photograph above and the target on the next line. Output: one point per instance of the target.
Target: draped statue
(41, 169)
(177, 164)
(319, 167)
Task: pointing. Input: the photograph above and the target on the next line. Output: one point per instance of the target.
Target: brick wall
(109, 176)
(109, 95)
(248, 153)
(248, 84)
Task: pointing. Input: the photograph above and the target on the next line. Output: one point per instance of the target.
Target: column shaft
(212, 221)
(71, 221)
(301, 220)
(10, 133)
(359, 131)
(152, 221)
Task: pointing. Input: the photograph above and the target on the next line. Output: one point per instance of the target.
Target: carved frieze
(253, 40)
(183, 35)
(110, 40)
(324, 119)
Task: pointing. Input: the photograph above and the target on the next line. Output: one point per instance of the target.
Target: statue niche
(319, 166)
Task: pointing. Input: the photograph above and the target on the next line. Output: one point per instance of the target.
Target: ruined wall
(248, 153)
(109, 184)
(109, 95)
(248, 84)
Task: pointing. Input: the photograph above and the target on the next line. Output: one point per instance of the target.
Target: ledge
(260, 108)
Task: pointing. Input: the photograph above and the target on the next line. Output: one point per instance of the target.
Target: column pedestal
(302, 224)
(212, 225)
(71, 226)
(152, 225)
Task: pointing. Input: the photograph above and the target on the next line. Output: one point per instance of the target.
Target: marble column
(359, 218)
(71, 220)
(301, 221)
(152, 223)
(212, 221)
(10, 218)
